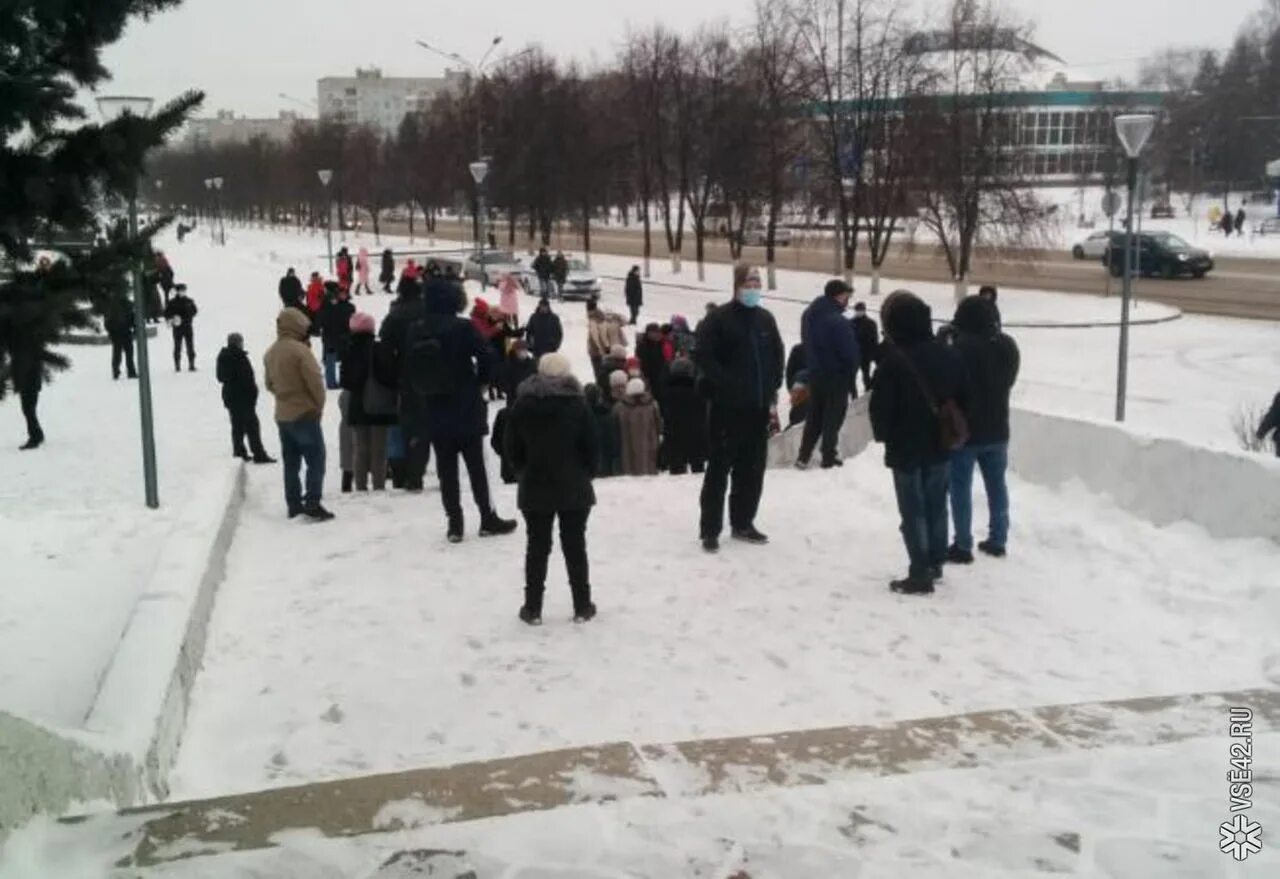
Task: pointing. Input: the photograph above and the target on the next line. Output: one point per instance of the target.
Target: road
(1248, 288)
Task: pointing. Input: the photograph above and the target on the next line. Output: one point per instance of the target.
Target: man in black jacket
(181, 314)
(543, 333)
(542, 267)
(334, 321)
(119, 325)
(917, 375)
(1271, 425)
(635, 293)
(291, 292)
(552, 444)
(740, 354)
(831, 357)
(868, 336)
(240, 396)
(991, 362)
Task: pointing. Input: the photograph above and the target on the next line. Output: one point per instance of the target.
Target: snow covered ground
(368, 644)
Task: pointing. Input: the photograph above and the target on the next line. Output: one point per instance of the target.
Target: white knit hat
(554, 366)
(635, 387)
(617, 378)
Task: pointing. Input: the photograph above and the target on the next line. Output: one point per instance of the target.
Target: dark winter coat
(514, 371)
(868, 336)
(741, 356)
(551, 442)
(388, 273)
(830, 347)
(357, 367)
(991, 362)
(544, 334)
(901, 417)
(609, 458)
(334, 322)
(181, 309)
(291, 292)
(634, 290)
(653, 365)
(119, 322)
(235, 374)
(560, 268)
(684, 418)
(542, 266)
(797, 362)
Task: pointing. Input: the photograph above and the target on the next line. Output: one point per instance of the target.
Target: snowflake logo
(1240, 838)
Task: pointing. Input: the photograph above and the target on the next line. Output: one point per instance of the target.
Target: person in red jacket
(315, 293)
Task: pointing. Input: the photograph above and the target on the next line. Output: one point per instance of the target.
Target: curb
(131, 733)
(97, 339)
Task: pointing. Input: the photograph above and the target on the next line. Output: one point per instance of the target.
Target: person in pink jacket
(362, 270)
(509, 303)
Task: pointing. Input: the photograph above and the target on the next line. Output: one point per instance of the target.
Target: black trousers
(30, 400)
(866, 377)
(417, 455)
(245, 425)
(184, 334)
(472, 452)
(739, 446)
(828, 406)
(573, 543)
(122, 348)
(635, 312)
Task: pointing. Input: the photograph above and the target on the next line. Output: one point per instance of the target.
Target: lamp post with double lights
(112, 109)
(326, 177)
(1134, 131)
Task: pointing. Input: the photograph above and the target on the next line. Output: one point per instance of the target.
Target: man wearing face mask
(740, 356)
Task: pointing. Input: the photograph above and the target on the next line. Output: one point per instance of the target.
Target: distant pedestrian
(291, 292)
(740, 355)
(372, 407)
(544, 269)
(653, 361)
(509, 299)
(831, 353)
(640, 429)
(1241, 218)
(552, 445)
(240, 397)
(1228, 222)
(164, 276)
(362, 272)
(345, 268)
(682, 338)
(544, 333)
(27, 376)
(634, 293)
(334, 322)
(868, 336)
(604, 331)
(315, 294)
(387, 276)
(991, 363)
(119, 323)
(610, 444)
(560, 271)
(181, 315)
(293, 376)
(1271, 425)
(919, 389)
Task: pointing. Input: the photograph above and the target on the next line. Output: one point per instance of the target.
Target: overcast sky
(244, 53)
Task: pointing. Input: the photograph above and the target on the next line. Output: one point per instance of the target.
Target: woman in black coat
(551, 443)
(372, 404)
(388, 274)
(684, 419)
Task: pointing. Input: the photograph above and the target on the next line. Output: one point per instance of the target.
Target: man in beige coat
(294, 378)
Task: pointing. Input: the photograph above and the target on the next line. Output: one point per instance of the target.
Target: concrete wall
(131, 734)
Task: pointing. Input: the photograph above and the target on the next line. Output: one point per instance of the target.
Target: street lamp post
(326, 177)
(217, 200)
(1133, 131)
(480, 170)
(113, 108)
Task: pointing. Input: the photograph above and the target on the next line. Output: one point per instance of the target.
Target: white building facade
(382, 102)
(226, 128)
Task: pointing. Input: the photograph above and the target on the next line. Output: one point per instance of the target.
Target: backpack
(953, 427)
(427, 367)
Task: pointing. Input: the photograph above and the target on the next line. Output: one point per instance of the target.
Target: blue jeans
(993, 460)
(922, 504)
(299, 441)
(331, 370)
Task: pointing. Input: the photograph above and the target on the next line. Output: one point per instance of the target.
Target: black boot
(348, 478)
(583, 610)
(454, 534)
(493, 525)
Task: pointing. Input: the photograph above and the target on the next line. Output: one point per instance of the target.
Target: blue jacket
(831, 348)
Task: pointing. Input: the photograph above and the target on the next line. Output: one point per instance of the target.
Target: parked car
(491, 265)
(1163, 254)
(757, 235)
(1162, 211)
(581, 283)
(1095, 246)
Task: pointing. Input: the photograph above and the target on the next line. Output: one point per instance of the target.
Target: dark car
(1163, 254)
(1162, 211)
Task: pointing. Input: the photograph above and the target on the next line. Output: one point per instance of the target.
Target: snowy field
(369, 645)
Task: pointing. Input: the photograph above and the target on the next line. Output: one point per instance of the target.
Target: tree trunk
(648, 240)
(412, 210)
(699, 245)
(586, 233)
(875, 280)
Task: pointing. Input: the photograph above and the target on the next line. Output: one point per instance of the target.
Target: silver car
(491, 265)
(581, 283)
(1095, 246)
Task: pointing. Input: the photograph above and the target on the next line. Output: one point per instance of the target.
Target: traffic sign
(1111, 203)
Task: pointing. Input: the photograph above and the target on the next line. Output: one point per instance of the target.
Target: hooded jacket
(334, 321)
(991, 361)
(552, 444)
(831, 349)
(291, 372)
(544, 333)
(634, 289)
(901, 416)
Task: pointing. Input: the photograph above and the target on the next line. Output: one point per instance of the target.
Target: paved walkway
(623, 771)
